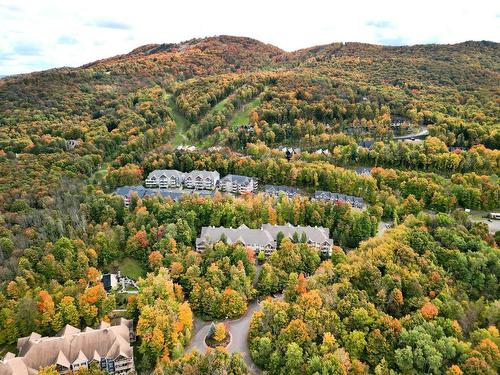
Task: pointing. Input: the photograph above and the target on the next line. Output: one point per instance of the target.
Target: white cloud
(41, 34)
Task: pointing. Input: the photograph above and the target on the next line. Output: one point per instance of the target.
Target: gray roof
(67, 346)
(363, 170)
(173, 194)
(238, 179)
(165, 173)
(126, 322)
(366, 143)
(203, 193)
(267, 234)
(316, 234)
(241, 234)
(327, 195)
(281, 188)
(203, 174)
(126, 191)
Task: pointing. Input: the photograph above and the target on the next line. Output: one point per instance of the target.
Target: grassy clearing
(7, 348)
(242, 116)
(219, 106)
(131, 268)
(182, 126)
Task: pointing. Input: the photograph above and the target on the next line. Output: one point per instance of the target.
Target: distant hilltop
(225, 53)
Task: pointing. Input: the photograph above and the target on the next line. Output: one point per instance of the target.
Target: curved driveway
(239, 333)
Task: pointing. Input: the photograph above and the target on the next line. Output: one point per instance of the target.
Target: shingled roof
(287, 190)
(126, 191)
(69, 345)
(315, 234)
(238, 179)
(266, 235)
(213, 175)
(241, 234)
(165, 173)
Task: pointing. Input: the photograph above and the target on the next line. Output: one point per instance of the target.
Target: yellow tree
(47, 310)
(155, 260)
(165, 322)
(220, 332)
(50, 370)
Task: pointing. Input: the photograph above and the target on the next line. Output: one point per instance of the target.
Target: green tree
(294, 358)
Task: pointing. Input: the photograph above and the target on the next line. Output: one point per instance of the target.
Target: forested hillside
(424, 121)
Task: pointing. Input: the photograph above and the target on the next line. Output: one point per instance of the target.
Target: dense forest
(421, 298)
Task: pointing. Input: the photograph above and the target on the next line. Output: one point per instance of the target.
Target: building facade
(276, 190)
(201, 180)
(336, 197)
(126, 192)
(265, 238)
(107, 346)
(165, 178)
(237, 184)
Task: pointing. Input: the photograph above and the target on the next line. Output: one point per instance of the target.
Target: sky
(42, 34)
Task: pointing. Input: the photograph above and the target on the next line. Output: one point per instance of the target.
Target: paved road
(239, 333)
(422, 134)
(382, 227)
(493, 225)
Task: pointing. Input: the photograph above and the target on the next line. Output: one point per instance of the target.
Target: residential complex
(201, 180)
(238, 184)
(126, 193)
(165, 178)
(171, 178)
(335, 197)
(173, 184)
(265, 238)
(276, 190)
(108, 346)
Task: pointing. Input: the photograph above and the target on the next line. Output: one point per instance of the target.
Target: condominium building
(201, 180)
(233, 183)
(265, 238)
(276, 190)
(108, 346)
(165, 178)
(336, 197)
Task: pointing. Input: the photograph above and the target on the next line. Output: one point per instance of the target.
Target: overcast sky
(42, 34)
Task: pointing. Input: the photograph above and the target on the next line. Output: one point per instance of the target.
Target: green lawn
(7, 348)
(219, 106)
(182, 125)
(241, 117)
(131, 268)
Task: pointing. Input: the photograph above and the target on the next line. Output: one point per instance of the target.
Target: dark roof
(366, 143)
(327, 195)
(126, 191)
(106, 281)
(70, 345)
(234, 178)
(173, 194)
(363, 170)
(204, 193)
(289, 190)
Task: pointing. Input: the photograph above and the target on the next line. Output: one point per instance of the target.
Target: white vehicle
(495, 215)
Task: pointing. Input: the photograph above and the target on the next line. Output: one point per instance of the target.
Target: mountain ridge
(275, 53)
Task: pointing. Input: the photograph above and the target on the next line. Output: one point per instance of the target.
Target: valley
(329, 205)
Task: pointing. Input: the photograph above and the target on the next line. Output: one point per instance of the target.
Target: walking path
(382, 227)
